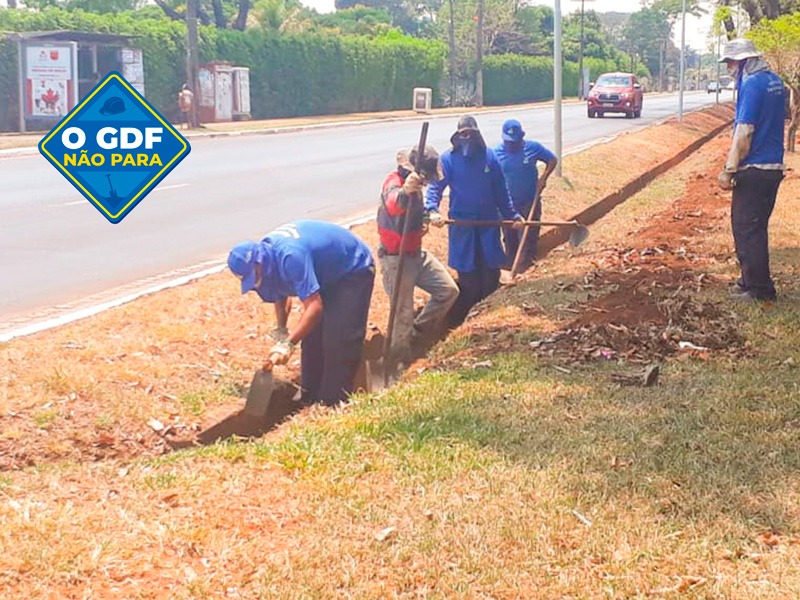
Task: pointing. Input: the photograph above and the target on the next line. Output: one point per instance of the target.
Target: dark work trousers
(753, 200)
(331, 353)
(473, 286)
(512, 238)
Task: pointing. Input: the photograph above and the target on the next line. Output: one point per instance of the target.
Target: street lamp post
(581, 82)
(479, 73)
(683, 62)
(718, 64)
(557, 92)
(580, 60)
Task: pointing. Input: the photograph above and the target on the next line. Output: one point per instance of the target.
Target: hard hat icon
(113, 106)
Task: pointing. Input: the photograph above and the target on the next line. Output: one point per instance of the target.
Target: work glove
(279, 354)
(519, 222)
(413, 184)
(435, 219)
(279, 334)
(726, 180)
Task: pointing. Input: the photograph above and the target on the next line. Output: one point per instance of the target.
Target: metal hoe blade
(260, 394)
(578, 235)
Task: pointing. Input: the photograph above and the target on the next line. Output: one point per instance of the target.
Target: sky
(696, 29)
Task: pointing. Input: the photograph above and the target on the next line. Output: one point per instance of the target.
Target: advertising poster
(50, 80)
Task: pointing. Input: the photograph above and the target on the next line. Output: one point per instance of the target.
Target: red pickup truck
(615, 93)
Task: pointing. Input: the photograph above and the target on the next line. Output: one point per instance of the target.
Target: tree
(360, 20)
(414, 18)
(222, 14)
(537, 23)
(779, 40)
(501, 33)
(596, 41)
(647, 34)
(92, 6)
(769, 9)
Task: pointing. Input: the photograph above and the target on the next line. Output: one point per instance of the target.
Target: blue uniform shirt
(303, 257)
(520, 171)
(761, 103)
(477, 191)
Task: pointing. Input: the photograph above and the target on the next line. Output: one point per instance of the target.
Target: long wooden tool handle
(524, 239)
(507, 223)
(387, 344)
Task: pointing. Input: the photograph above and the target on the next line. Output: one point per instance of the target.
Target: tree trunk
(169, 11)
(202, 15)
(730, 26)
(219, 16)
(241, 18)
(753, 10)
(191, 56)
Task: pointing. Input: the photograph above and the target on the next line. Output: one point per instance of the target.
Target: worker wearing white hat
(754, 168)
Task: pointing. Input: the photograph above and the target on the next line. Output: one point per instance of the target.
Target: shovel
(577, 236)
(260, 393)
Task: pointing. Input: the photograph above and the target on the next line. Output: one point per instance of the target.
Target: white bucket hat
(739, 49)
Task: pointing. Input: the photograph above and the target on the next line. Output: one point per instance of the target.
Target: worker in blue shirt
(754, 168)
(519, 160)
(332, 272)
(477, 192)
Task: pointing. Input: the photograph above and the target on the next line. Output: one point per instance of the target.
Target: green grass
(44, 419)
(511, 480)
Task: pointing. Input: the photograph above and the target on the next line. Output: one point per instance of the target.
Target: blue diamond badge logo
(114, 147)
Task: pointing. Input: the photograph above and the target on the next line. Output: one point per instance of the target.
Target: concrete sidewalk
(15, 143)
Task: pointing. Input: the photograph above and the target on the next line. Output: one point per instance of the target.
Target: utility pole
(479, 74)
(581, 83)
(191, 55)
(452, 55)
(699, 67)
(718, 64)
(557, 92)
(683, 62)
(580, 60)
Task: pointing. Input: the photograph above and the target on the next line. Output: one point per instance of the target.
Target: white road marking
(158, 189)
(210, 267)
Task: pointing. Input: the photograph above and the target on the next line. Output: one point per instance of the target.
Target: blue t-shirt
(761, 103)
(304, 257)
(519, 169)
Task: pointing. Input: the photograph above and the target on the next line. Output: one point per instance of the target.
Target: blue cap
(512, 131)
(242, 262)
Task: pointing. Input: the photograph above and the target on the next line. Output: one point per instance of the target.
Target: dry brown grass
(510, 480)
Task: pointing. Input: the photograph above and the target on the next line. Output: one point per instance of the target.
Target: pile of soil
(640, 302)
(646, 318)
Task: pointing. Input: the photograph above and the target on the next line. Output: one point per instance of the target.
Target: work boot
(743, 296)
(747, 297)
(736, 288)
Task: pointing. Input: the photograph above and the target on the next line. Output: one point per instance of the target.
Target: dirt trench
(122, 354)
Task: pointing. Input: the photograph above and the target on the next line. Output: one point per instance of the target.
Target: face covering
(465, 146)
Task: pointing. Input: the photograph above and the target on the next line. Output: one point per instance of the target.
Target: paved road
(55, 248)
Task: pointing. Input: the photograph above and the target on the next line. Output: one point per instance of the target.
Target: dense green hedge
(289, 75)
(320, 74)
(8, 86)
(511, 78)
